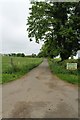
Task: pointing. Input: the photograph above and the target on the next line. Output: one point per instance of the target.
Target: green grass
(18, 67)
(59, 68)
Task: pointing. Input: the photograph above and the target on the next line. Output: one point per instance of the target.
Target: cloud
(13, 17)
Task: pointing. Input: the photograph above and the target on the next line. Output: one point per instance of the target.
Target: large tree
(55, 23)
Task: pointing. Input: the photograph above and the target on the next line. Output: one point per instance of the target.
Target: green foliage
(56, 23)
(59, 68)
(20, 66)
(34, 55)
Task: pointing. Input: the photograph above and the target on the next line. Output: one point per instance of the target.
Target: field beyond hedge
(15, 67)
(59, 68)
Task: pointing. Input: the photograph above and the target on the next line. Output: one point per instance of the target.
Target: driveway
(39, 94)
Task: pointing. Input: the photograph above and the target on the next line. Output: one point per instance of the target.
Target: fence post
(12, 64)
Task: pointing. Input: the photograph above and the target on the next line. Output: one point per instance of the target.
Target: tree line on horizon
(20, 55)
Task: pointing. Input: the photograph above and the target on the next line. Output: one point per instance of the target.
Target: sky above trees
(13, 15)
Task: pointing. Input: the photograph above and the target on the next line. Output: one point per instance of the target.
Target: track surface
(39, 94)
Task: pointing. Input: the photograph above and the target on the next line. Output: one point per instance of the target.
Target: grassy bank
(15, 67)
(59, 68)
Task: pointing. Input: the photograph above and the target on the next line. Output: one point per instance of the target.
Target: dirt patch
(28, 89)
(25, 110)
(61, 111)
(50, 85)
(38, 77)
(21, 109)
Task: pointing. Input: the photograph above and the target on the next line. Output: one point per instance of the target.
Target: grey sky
(13, 15)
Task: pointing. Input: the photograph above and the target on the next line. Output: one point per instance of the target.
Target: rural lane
(39, 94)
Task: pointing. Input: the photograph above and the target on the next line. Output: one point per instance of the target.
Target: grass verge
(15, 67)
(59, 68)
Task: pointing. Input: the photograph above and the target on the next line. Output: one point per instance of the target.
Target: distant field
(15, 67)
(59, 68)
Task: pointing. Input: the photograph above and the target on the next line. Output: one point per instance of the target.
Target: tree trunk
(64, 56)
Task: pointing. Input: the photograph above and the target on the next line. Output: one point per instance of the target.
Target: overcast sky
(13, 15)
(13, 19)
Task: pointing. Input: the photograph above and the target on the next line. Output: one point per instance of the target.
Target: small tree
(33, 55)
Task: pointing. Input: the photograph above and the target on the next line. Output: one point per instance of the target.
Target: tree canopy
(58, 25)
